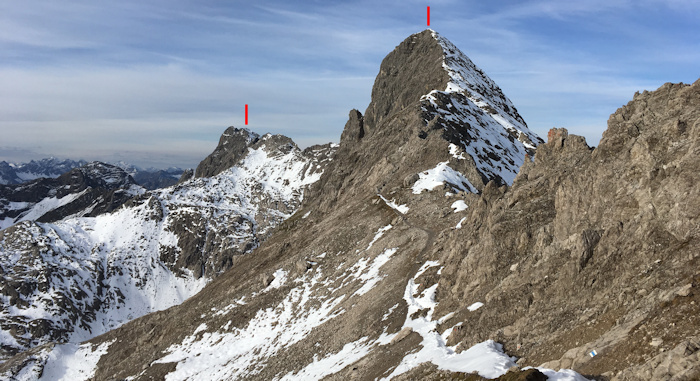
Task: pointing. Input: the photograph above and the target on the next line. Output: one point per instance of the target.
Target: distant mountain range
(89, 190)
(18, 173)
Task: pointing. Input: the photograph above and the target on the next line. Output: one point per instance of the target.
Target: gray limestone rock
(233, 145)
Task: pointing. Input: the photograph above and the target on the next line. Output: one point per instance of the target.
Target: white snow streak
(486, 358)
(280, 277)
(371, 276)
(244, 351)
(403, 209)
(333, 363)
(440, 175)
(379, 235)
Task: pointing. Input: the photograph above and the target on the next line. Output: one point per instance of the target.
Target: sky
(155, 83)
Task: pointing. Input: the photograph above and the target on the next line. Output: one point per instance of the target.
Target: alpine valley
(440, 240)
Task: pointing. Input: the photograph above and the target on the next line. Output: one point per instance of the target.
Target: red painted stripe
(428, 16)
(246, 115)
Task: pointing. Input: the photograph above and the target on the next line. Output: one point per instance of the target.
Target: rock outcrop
(233, 146)
(590, 249)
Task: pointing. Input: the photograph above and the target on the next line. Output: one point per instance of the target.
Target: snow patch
(279, 280)
(486, 358)
(459, 206)
(379, 235)
(371, 277)
(73, 362)
(560, 375)
(388, 313)
(439, 175)
(403, 209)
(48, 204)
(475, 306)
(455, 152)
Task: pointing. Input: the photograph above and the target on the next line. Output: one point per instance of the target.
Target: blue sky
(155, 83)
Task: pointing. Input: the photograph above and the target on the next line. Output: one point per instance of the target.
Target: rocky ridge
(152, 178)
(339, 289)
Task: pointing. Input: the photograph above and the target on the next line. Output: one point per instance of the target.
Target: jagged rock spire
(412, 69)
(427, 73)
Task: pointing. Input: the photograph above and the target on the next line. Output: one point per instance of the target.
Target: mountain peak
(411, 70)
(453, 100)
(477, 117)
(468, 79)
(232, 147)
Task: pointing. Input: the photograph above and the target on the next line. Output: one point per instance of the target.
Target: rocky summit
(441, 240)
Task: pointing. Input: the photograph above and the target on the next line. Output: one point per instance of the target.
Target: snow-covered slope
(80, 277)
(478, 118)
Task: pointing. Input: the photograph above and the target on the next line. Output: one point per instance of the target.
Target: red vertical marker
(428, 16)
(246, 115)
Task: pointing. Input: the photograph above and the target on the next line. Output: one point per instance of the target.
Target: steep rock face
(79, 277)
(431, 106)
(233, 145)
(89, 190)
(592, 249)
(412, 70)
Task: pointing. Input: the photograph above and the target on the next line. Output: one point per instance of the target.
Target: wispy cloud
(159, 80)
